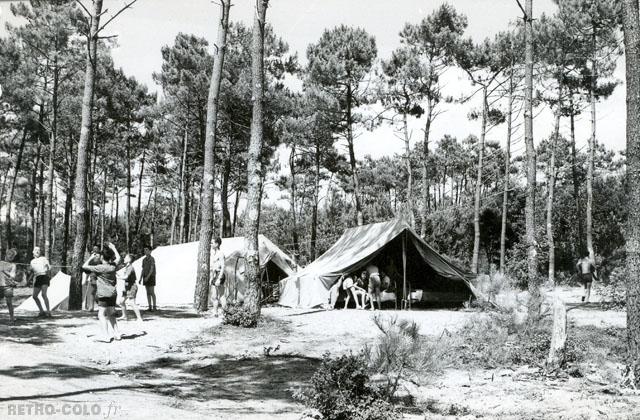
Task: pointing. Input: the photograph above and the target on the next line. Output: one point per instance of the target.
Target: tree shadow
(172, 313)
(82, 391)
(29, 329)
(42, 371)
(230, 377)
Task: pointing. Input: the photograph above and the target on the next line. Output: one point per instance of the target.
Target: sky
(150, 24)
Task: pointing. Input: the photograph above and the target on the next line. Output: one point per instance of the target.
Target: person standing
(148, 279)
(587, 271)
(218, 296)
(42, 274)
(8, 281)
(92, 282)
(130, 289)
(106, 290)
(373, 287)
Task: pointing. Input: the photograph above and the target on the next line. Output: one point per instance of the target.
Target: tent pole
(404, 270)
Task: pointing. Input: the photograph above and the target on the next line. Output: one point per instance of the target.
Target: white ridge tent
(177, 267)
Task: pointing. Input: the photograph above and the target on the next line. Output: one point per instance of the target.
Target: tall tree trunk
(352, 160)
(174, 216)
(631, 24)
(225, 225)
(407, 159)
(152, 230)
(127, 220)
(507, 169)
(551, 183)
(254, 166)
(12, 187)
(294, 230)
(314, 211)
(476, 204)
(68, 208)
(574, 176)
(139, 205)
(206, 228)
(103, 205)
(75, 288)
(41, 204)
(426, 196)
(183, 188)
(48, 226)
(591, 154)
(34, 199)
(235, 211)
(532, 252)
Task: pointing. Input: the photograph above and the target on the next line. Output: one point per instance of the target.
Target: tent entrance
(413, 280)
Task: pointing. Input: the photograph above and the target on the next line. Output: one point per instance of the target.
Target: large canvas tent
(395, 248)
(177, 266)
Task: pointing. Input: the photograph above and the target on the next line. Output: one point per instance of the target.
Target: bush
(240, 316)
(400, 354)
(340, 390)
(613, 293)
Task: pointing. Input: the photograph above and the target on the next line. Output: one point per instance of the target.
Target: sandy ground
(180, 365)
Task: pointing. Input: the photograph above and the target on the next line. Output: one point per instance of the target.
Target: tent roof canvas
(356, 247)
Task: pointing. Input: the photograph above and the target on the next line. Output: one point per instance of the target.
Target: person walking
(130, 290)
(148, 279)
(42, 274)
(8, 281)
(218, 296)
(106, 290)
(587, 271)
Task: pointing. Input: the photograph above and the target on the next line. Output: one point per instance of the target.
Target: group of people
(365, 288)
(103, 268)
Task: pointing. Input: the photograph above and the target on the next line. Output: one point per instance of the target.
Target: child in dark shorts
(106, 291)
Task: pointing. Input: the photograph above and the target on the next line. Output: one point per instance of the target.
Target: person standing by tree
(8, 281)
(130, 289)
(42, 275)
(149, 278)
(587, 272)
(217, 276)
(106, 293)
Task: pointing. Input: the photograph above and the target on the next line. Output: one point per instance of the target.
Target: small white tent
(57, 292)
(177, 267)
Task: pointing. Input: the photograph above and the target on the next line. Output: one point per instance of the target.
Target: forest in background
(465, 196)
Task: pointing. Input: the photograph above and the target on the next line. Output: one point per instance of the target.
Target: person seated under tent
(352, 288)
(334, 293)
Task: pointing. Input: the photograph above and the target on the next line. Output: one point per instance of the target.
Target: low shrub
(613, 293)
(400, 353)
(341, 390)
(240, 316)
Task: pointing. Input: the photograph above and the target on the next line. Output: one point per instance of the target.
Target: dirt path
(184, 366)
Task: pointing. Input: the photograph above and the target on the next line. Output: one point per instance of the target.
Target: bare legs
(136, 311)
(9, 301)
(218, 298)
(36, 291)
(587, 292)
(151, 297)
(353, 292)
(106, 319)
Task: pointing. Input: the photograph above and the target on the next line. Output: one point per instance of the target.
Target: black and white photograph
(320, 209)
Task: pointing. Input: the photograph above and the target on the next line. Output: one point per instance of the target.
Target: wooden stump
(558, 335)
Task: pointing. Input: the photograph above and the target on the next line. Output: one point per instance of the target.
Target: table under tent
(177, 266)
(419, 275)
